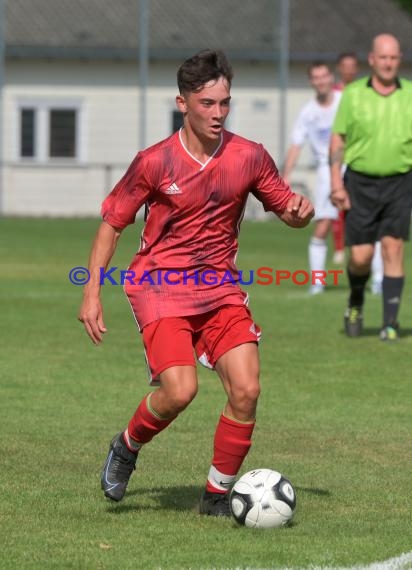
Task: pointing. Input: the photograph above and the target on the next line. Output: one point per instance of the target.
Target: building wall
(107, 96)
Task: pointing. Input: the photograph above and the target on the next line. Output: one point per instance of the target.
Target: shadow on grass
(374, 331)
(180, 498)
(314, 491)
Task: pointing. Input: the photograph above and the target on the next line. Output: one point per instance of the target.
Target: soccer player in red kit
(195, 185)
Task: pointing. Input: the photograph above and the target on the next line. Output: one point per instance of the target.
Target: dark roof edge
(75, 53)
(14, 52)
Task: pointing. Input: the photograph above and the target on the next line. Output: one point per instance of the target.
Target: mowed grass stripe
(334, 417)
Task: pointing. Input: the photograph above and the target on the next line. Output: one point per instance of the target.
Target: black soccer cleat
(214, 504)
(353, 321)
(120, 464)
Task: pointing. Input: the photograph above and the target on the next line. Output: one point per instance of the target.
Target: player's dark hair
(205, 66)
(346, 54)
(318, 63)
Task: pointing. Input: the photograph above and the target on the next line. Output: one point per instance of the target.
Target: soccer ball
(262, 498)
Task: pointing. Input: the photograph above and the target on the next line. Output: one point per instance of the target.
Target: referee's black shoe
(353, 321)
(120, 464)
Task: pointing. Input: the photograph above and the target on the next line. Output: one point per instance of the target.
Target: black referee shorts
(380, 206)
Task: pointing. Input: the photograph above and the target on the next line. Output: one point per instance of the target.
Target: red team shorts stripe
(172, 341)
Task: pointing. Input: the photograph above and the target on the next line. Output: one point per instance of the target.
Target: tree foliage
(406, 5)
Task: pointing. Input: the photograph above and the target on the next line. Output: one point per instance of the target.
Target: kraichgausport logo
(260, 276)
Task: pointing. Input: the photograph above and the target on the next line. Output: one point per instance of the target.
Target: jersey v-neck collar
(397, 84)
(202, 164)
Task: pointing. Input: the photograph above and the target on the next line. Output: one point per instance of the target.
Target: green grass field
(334, 416)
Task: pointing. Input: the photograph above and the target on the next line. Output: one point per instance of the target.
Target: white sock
(377, 264)
(318, 251)
(131, 443)
(218, 480)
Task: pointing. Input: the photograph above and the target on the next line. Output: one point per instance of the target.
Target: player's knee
(360, 263)
(246, 396)
(182, 397)
(393, 250)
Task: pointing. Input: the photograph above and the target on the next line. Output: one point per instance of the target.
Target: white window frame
(42, 107)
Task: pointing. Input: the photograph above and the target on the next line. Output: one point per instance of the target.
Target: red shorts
(172, 341)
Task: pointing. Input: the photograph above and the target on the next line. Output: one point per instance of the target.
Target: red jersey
(186, 261)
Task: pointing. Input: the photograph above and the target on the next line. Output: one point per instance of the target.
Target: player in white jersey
(314, 125)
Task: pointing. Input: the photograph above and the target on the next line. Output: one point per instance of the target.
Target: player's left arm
(298, 212)
(276, 195)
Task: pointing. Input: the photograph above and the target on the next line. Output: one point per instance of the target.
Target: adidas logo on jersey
(173, 189)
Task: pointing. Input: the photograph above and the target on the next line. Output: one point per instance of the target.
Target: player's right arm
(118, 210)
(339, 195)
(91, 311)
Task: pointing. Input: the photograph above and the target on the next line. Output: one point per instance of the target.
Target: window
(177, 121)
(62, 139)
(27, 133)
(50, 130)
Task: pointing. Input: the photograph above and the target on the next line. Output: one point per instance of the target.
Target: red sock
(145, 423)
(231, 445)
(338, 230)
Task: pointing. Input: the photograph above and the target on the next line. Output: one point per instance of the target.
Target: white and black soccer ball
(263, 498)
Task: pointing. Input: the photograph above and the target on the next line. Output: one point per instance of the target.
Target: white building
(71, 94)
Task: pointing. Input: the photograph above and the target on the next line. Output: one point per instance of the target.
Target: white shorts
(324, 209)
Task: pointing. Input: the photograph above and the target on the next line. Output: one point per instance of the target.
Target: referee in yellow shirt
(372, 135)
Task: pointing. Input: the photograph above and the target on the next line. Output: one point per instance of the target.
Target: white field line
(402, 562)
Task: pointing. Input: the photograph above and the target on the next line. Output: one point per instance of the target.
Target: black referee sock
(391, 294)
(357, 285)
